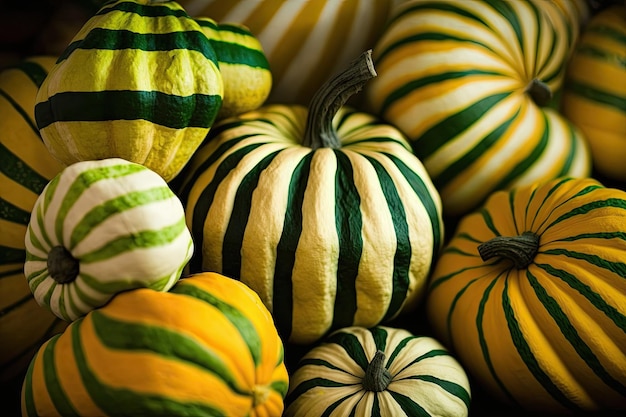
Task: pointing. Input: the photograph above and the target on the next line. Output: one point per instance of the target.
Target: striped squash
(530, 293)
(139, 356)
(305, 41)
(469, 83)
(594, 97)
(102, 227)
(140, 81)
(330, 232)
(380, 371)
(245, 71)
(26, 166)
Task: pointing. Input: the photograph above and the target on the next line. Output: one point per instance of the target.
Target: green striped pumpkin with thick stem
(530, 294)
(102, 227)
(140, 81)
(473, 85)
(333, 221)
(208, 347)
(26, 166)
(379, 371)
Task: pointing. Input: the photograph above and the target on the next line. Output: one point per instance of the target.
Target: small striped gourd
(333, 221)
(140, 81)
(530, 294)
(26, 166)
(208, 347)
(305, 41)
(102, 227)
(594, 97)
(245, 71)
(379, 371)
(472, 84)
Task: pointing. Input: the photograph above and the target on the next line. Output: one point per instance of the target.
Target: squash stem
(377, 377)
(332, 95)
(539, 92)
(62, 266)
(519, 249)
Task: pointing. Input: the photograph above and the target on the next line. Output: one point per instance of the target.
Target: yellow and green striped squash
(530, 294)
(328, 234)
(140, 81)
(102, 227)
(208, 347)
(244, 67)
(594, 97)
(379, 371)
(305, 41)
(472, 84)
(26, 166)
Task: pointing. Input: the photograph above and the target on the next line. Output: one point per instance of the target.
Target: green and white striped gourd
(26, 166)
(473, 85)
(102, 227)
(380, 371)
(140, 81)
(333, 221)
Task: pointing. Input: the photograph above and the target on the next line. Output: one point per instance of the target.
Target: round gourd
(332, 220)
(471, 84)
(140, 81)
(530, 294)
(380, 371)
(26, 166)
(208, 347)
(594, 98)
(102, 227)
(305, 41)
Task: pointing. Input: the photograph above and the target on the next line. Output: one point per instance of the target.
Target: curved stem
(377, 377)
(539, 92)
(332, 95)
(62, 266)
(519, 249)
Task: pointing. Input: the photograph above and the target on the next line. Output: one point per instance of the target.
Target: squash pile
(310, 208)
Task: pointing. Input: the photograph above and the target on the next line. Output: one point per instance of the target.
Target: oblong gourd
(206, 347)
(102, 227)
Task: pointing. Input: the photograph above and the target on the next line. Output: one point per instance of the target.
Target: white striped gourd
(245, 71)
(530, 293)
(26, 166)
(102, 227)
(140, 81)
(305, 41)
(379, 371)
(472, 84)
(333, 221)
(594, 97)
(208, 347)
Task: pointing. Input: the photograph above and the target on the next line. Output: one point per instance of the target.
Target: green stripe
(613, 34)
(196, 110)
(148, 10)
(111, 399)
(32, 70)
(62, 403)
(402, 256)
(352, 346)
(120, 39)
(28, 402)
(452, 388)
(408, 405)
(309, 384)
(436, 6)
(234, 53)
(244, 326)
(592, 51)
(282, 300)
(617, 268)
(232, 241)
(510, 15)
(592, 93)
(379, 335)
(349, 227)
(18, 108)
(13, 214)
(20, 172)
(583, 209)
(449, 327)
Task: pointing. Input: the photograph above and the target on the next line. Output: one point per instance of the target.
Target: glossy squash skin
(472, 87)
(140, 81)
(139, 356)
(379, 371)
(26, 166)
(594, 97)
(541, 321)
(102, 227)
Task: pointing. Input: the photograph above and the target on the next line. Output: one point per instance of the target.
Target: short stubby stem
(62, 266)
(521, 250)
(377, 377)
(539, 91)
